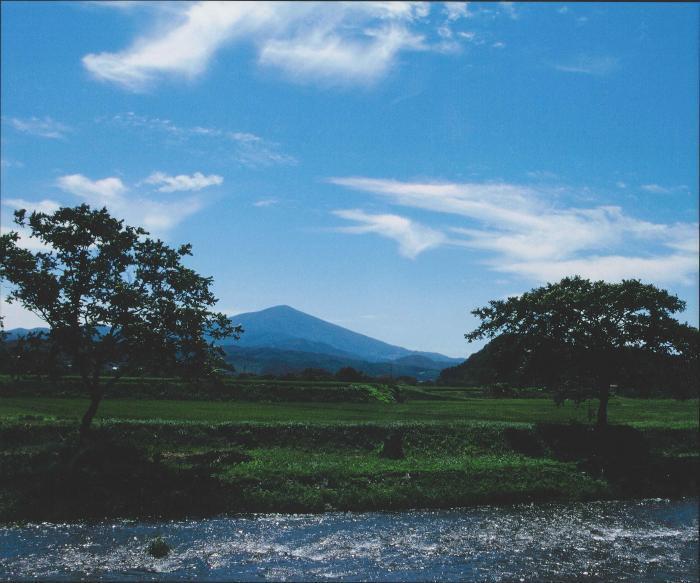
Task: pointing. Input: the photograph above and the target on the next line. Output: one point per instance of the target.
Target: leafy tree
(577, 337)
(114, 299)
(349, 374)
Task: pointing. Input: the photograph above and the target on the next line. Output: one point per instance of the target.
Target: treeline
(503, 366)
(346, 374)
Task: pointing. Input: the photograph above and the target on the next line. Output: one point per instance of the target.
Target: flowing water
(648, 540)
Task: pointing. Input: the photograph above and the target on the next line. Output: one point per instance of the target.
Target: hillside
(286, 328)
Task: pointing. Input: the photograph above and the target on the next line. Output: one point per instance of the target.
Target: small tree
(349, 375)
(114, 299)
(578, 337)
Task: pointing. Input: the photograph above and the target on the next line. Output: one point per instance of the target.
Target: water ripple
(649, 540)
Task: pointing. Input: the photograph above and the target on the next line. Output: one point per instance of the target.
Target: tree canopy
(577, 337)
(114, 299)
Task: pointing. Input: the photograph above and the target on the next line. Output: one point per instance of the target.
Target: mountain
(281, 339)
(16, 333)
(268, 360)
(284, 327)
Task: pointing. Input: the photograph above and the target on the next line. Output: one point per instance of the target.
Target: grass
(640, 413)
(168, 458)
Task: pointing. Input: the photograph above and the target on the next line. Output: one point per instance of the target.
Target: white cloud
(41, 206)
(413, 238)
(660, 189)
(336, 43)
(674, 268)
(246, 148)
(509, 9)
(589, 65)
(154, 215)
(183, 182)
(266, 202)
(456, 10)
(327, 56)
(25, 239)
(253, 151)
(95, 191)
(655, 188)
(529, 234)
(185, 49)
(43, 128)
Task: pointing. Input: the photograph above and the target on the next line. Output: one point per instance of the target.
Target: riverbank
(177, 468)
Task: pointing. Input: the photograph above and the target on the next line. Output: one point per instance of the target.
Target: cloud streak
(246, 148)
(526, 233)
(40, 127)
(183, 182)
(338, 43)
(413, 238)
(156, 216)
(589, 65)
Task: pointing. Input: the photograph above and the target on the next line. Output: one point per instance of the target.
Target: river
(647, 540)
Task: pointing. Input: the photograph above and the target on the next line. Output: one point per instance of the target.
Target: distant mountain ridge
(281, 339)
(288, 328)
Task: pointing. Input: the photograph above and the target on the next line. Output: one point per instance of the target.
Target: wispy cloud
(661, 189)
(41, 127)
(589, 65)
(655, 188)
(181, 182)
(41, 206)
(334, 38)
(266, 202)
(413, 238)
(456, 10)
(528, 234)
(137, 209)
(7, 163)
(246, 148)
(253, 151)
(334, 43)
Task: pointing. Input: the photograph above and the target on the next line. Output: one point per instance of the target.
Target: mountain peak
(282, 308)
(285, 326)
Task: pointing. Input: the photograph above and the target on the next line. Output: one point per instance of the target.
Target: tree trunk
(603, 398)
(95, 398)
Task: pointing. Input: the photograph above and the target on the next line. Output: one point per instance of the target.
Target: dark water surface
(648, 540)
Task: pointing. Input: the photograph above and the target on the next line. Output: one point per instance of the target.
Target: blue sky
(384, 166)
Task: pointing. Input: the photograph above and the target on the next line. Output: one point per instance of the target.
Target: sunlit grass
(636, 412)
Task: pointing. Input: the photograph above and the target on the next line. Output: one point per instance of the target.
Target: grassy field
(638, 413)
(169, 458)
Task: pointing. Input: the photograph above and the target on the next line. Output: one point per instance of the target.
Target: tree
(577, 337)
(349, 375)
(114, 299)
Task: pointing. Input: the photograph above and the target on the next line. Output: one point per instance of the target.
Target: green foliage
(179, 469)
(113, 299)
(578, 337)
(349, 374)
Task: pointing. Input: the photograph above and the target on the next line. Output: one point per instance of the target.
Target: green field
(170, 457)
(638, 413)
